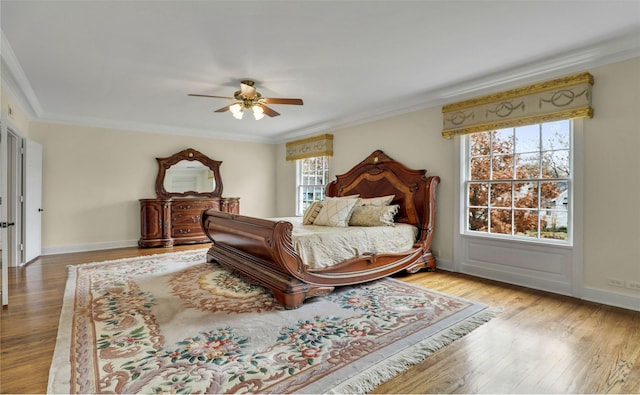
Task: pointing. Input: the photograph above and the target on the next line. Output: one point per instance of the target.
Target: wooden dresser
(176, 221)
(187, 184)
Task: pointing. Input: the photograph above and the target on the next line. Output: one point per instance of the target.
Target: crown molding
(15, 80)
(148, 128)
(612, 50)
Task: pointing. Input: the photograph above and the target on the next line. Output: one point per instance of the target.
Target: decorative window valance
(308, 148)
(562, 98)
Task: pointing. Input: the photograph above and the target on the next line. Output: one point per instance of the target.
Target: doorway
(20, 177)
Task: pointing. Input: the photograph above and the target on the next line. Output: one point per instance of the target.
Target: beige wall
(611, 172)
(612, 177)
(413, 139)
(94, 177)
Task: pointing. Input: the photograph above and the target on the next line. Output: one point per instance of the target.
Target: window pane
(502, 141)
(478, 194)
(528, 138)
(478, 219)
(480, 168)
(527, 165)
(553, 195)
(526, 222)
(500, 221)
(525, 195)
(479, 144)
(553, 225)
(501, 195)
(555, 164)
(555, 135)
(502, 167)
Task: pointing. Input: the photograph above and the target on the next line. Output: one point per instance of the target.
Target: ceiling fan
(249, 98)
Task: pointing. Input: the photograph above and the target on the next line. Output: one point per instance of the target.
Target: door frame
(3, 213)
(11, 207)
(14, 198)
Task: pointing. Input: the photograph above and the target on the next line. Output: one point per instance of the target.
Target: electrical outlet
(616, 282)
(635, 285)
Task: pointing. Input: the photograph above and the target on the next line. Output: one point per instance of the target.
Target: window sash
(312, 179)
(507, 213)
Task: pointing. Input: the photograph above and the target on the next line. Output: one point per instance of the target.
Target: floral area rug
(172, 323)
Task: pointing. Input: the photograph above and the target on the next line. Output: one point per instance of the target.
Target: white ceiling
(131, 64)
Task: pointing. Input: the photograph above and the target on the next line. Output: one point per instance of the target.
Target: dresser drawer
(187, 230)
(188, 213)
(194, 206)
(186, 217)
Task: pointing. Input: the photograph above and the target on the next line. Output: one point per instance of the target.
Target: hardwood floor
(539, 343)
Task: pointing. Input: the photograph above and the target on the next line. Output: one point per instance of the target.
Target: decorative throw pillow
(376, 201)
(335, 212)
(311, 213)
(373, 215)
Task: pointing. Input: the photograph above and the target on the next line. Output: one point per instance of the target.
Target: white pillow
(335, 212)
(376, 201)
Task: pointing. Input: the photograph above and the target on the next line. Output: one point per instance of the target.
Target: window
(518, 182)
(312, 176)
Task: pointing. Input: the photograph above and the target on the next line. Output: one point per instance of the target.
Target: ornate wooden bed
(261, 250)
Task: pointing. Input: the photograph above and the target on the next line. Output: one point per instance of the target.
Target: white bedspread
(323, 246)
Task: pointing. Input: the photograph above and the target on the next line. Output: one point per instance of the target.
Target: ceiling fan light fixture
(248, 98)
(258, 112)
(237, 110)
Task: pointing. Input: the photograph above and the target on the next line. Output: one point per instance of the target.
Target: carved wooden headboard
(380, 175)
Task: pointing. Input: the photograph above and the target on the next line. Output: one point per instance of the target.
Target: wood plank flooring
(539, 343)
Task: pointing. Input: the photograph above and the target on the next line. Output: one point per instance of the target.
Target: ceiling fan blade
(247, 89)
(215, 97)
(223, 109)
(269, 111)
(276, 100)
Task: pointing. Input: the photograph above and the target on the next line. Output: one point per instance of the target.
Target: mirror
(188, 173)
(187, 176)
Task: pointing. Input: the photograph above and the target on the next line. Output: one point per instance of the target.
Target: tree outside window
(518, 181)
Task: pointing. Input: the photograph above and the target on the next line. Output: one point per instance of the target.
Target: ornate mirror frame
(191, 155)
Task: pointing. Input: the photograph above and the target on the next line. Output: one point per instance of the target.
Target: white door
(32, 200)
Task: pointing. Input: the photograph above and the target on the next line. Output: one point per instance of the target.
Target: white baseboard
(444, 264)
(89, 247)
(611, 298)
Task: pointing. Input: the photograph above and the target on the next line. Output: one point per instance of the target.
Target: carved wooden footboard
(262, 250)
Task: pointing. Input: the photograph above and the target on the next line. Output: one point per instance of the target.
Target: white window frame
(318, 188)
(536, 264)
(538, 240)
